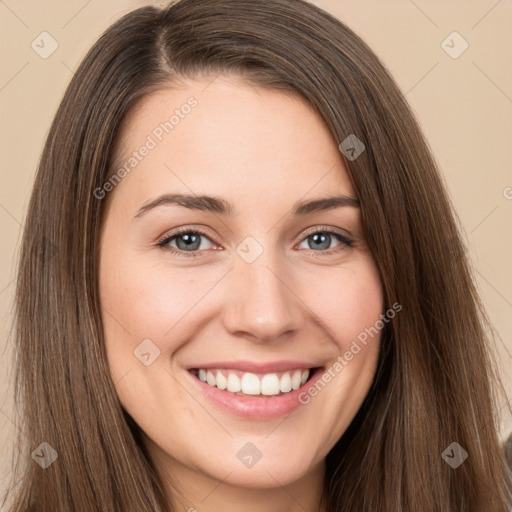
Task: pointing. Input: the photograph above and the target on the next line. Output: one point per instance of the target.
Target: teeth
(270, 384)
(250, 384)
(210, 378)
(296, 378)
(234, 384)
(285, 383)
(221, 381)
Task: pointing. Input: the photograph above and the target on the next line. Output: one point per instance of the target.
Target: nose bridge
(259, 300)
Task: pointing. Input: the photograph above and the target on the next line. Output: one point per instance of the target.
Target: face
(252, 291)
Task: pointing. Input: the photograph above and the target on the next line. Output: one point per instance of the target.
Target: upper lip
(253, 367)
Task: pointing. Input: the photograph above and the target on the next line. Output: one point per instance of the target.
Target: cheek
(348, 301)
(149, 301)
(146, 309)
(351, 306)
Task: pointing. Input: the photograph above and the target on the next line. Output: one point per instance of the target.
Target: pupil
(189, 240)
(317, 238)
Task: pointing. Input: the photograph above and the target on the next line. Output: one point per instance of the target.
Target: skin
(262, 151)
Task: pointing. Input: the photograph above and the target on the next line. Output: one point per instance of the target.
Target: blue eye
(322, 238)
(188, 242)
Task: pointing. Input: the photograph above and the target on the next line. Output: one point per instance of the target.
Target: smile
(248, 383)
(254, 392)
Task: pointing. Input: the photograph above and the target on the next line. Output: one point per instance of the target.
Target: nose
(260, 301)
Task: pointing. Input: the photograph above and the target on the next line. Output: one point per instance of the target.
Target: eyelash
(162, 243)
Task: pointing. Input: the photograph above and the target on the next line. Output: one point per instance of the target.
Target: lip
(255, 407)
(251, 366)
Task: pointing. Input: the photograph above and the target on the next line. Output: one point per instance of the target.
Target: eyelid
(326, 229)
(184, 229)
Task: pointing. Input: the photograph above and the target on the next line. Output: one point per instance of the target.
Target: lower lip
(258, 407)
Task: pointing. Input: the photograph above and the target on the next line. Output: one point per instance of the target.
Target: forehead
(225, 136)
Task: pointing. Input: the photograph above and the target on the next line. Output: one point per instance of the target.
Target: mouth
(242, 383)
(257, 394)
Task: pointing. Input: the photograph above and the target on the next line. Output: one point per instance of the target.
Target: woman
(255, 369)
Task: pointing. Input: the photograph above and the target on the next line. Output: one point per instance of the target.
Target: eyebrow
(221, 206)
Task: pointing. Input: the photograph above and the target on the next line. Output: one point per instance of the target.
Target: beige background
(464, 105)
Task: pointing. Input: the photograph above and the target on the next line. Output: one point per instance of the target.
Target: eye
(186, 241)
(320, 239)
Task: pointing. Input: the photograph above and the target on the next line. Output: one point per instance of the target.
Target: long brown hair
(435, 382)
